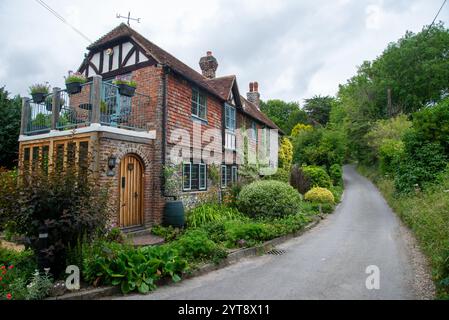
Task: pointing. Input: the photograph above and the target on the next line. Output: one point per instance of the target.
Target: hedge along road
(329, 262)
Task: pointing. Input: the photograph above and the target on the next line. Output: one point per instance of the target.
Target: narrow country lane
(328, 262)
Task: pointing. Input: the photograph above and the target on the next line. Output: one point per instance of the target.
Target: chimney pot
(209, 53)
(253, 95)
(251, 87)
(256, 86)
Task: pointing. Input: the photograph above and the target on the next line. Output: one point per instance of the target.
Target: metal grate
(277, 252)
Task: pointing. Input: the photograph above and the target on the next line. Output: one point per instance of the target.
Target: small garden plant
(39, 88)
(75, 77)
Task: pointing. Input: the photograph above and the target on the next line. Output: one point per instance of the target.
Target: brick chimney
(209, 65)
(253, 95)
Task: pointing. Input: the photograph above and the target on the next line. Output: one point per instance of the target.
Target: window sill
(198, 119)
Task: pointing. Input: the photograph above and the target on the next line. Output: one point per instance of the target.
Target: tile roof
(220, 87)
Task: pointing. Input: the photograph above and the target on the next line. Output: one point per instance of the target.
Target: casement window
(194, 176)
(229, 175)
(73, 153)
(230, 126)
(253, 132)
(199, 106)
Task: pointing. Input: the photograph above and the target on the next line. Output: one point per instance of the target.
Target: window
(34, 157)
(254, 131)
(234, 174)
(229, 175)
(230, 125)
(194, 177)
(199, 108)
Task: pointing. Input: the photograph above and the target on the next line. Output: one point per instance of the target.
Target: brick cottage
(177, 116)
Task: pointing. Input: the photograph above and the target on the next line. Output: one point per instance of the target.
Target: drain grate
(277, 252)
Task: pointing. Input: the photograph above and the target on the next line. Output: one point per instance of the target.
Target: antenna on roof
(128, 18)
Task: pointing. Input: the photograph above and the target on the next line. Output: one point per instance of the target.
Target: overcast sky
(295, 49)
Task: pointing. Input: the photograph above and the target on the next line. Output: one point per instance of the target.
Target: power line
(436, 17)
(58, 16)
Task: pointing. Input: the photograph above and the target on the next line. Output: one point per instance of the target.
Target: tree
(10, 110)
(318, 109)
(284, 114)
(285, 154)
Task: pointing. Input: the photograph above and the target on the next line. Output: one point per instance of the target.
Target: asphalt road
(328, 262)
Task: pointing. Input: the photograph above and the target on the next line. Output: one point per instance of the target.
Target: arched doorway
(131, 191)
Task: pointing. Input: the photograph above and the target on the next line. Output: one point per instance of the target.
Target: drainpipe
(165, 72)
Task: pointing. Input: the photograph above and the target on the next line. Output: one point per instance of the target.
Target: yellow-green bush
(320, 195)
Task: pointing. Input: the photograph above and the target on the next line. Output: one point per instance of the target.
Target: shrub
(23, 261)
(130, 268)
(168, 233)
(209, 213)
(318, 176)
(390, 154)
(281, 174)
(285, 154)
(421, 164)
(320, 195)
(65, 204)
(195, 246)
(8, 195)
(269, 198)
(299, 180)
(247, 234)
(336, 174)
(299, 128)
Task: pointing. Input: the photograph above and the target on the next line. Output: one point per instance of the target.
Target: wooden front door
(131, 192)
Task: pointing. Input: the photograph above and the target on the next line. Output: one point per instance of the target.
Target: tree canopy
(10, 110)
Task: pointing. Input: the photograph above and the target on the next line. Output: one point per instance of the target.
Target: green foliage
(320, 195)
(318, 176)
(285, 154)
(268, 198)
(248, 234)
(8, 195)
(195, 245)
(299, 128)
(168, 233)
(24, 262)
(210, 213)
(67, 204)
(75, 77)
(125, 82)
(422, 162)
(323, 147)
(336, 174)
(390, 155)
(130, 268)
(39, 88)
(318, 109)
(10, 113)
(281, 175)
(284, 114)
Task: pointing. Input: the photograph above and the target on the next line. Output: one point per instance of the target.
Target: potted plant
(49, 103)
(174, 214)
(126, 88)
(39, 92)
(74, 81)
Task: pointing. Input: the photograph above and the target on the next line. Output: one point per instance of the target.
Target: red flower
(9, 296)
(3, 268)
(4, 272)
(11, 267)
(1, 278)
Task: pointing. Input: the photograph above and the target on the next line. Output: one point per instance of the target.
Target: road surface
(328, 262)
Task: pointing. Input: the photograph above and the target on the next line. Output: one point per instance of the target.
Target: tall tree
(318, 108)
(285, 114)
(10, 110)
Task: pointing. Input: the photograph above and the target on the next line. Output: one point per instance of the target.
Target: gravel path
(329, 262)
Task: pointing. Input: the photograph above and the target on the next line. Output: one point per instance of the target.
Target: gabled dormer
(118, 52)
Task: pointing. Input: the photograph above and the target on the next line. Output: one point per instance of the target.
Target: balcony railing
(98, 102)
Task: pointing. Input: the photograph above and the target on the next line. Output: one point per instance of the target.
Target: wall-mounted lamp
(112, 162)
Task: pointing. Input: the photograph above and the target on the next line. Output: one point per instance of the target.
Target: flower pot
(38, 97)
(73, 87)
(125, 90)
(174, 214)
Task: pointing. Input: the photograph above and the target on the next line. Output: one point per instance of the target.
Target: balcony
(98, 105)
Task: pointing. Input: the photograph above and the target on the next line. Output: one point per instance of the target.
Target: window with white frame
(199, 106)
(229, 175)
(230, 126)
(194, 176)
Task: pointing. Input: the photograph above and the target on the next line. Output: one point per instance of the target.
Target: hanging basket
(126, 90)
(73, 87)
(38, 97)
